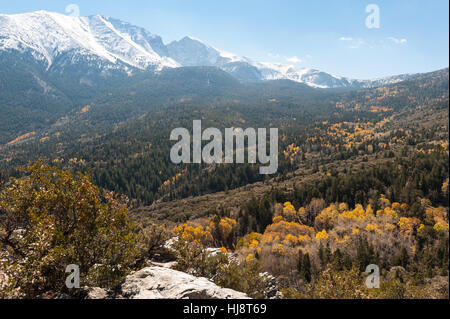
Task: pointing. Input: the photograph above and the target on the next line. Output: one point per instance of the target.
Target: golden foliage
(193, 234)
(357, 215)
(322, 235)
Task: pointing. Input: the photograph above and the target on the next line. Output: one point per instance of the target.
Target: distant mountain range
(86, 49)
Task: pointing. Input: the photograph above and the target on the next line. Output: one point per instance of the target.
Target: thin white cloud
(398, 41)
(294, 59)
(354, 43)
(274, 55)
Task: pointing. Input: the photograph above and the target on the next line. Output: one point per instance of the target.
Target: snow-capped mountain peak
(104, 43)
(49, 35)
(191, 51)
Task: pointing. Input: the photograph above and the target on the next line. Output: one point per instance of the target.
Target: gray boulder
(164, 283)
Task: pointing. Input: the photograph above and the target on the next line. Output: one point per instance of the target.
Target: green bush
(50, 219)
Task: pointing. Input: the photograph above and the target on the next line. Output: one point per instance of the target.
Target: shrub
(191, 257)
(51, 219)
(245, 277)
(345, 284)
(150, 244)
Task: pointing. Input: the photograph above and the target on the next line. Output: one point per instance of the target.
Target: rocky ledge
(164, 283)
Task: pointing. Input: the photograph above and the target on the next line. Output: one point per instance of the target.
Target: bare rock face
(164, 283)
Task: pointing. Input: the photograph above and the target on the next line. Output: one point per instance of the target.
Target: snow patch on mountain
(190, 51)
(49, 35)
(108, 44)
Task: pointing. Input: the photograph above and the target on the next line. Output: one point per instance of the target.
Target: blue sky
(330, 35)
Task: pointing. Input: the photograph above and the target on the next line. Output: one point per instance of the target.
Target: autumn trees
(343, 241)
(50, 219)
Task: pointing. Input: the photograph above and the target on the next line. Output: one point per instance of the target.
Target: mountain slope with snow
(100, 40)
(104, 45)
(193, 52)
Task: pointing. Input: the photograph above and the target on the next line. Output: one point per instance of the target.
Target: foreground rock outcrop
(164, 283)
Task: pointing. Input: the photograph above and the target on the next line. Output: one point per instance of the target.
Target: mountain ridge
(109, 45)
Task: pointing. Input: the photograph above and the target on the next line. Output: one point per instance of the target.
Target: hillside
(53, 64)
(88, 106)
